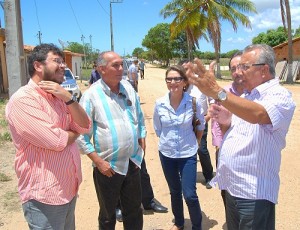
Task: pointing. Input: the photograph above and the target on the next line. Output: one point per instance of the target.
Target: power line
(75, 16)
(39, 34)
(37, 16)
(103, 8)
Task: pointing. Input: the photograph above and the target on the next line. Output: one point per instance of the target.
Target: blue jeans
(126, 188)
(245, 214)
(181, 174)
(50, 217)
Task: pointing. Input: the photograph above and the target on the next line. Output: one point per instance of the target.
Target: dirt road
(287, 211)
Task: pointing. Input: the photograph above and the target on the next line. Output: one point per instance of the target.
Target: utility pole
(39, 35)
(111, 24)
(91, 43)
(82, 39)
(15, 59)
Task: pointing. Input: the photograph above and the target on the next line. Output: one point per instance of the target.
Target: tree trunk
(188, 47)
(289, 78)
(218, 74)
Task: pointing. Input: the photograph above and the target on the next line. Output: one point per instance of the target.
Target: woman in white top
(173, 115)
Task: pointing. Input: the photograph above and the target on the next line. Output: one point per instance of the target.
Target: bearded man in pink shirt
(45, 120)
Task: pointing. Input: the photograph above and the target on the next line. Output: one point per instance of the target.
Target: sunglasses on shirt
(122, 95)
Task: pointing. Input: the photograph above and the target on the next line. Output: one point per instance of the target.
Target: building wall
(76, 65)
(74, 62)
(282, 52)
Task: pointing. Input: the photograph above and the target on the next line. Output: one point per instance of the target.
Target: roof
(29, 48)
(285, 43)
(73, 54)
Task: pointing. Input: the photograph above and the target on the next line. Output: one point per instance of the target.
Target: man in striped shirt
(254, 135)
(118, 143)
(45, 120)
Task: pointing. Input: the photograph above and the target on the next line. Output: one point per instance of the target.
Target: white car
(70, 83)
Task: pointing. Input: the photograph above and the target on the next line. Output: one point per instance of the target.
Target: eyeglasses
(58, 61)
(245, 67)
(176, 79)
(233, 69)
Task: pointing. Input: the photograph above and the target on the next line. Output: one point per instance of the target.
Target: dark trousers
(147, 191)
(207, 168)
(223, 193)
(245, 214)
(134, 85)
(128, 189)
(142, 73)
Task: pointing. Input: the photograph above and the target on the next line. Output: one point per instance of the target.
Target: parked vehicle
(70, 83)
(126, 64)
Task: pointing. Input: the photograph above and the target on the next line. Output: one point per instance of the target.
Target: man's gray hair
(101, 61)
(267, 56)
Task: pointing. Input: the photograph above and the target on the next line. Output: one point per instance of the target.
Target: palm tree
(187, 19)
(230, 11)
(286, 21)
(205, 17)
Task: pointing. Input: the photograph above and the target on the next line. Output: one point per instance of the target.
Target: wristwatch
(73, 99)
(222, 95)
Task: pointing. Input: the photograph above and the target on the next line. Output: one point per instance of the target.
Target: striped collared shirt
(250, 154)
(174, 128)
(118, 123)
(48, 169)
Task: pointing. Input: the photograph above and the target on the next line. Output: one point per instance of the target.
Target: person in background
(178, 145)
(118, 143)
(203, 153)
(254, 127)
(133, 74)
(235, 88)
(95, 75)
(142, 67)
(45, 120)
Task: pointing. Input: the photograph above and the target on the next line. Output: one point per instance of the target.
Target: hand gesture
(220, 114)
(205, 80)
(55, 89)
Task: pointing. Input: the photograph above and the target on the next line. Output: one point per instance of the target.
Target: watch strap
(73, 99)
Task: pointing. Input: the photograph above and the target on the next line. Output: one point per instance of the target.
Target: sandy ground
(287, 210)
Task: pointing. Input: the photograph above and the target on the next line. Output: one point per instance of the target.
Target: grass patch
(5, 137)
(85, 74)
(4, 133)
(10, 201)
(4, 177)
(3, 123)
(3, 101)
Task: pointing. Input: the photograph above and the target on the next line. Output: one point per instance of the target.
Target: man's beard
(50, 76)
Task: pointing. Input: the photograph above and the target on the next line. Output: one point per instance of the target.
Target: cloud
(269, 15)
(236, 40)
(262, 5)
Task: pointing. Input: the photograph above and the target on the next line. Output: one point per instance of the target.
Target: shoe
(207, 185)
(119, 216)
(156, 206)
(177, 228)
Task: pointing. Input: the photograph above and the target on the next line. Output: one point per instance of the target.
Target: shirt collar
(35, 86)
(107, 89)
(184, 99)
(264, 86)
